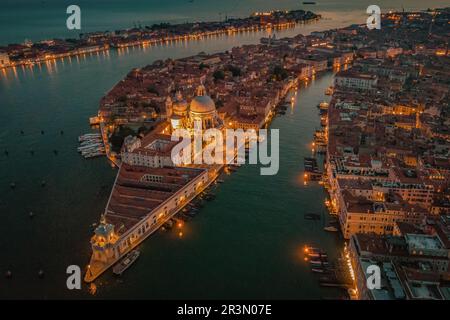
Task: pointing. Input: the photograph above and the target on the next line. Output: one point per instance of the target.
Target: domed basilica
(202, 109)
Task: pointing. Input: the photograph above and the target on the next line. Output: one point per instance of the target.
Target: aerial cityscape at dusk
(215, 150)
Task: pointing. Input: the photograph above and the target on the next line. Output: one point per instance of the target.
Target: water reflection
(211, 43)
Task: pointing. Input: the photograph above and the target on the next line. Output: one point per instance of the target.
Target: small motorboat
(309, 249)
(320, 255)
(168, 225)
(191, 213)
(92, 289)
(126, 262)
(323, 105)
(319, 270)
(318, 263)
(331, 229)
(209, 197)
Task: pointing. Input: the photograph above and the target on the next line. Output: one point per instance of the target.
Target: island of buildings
(30, 53)
(386, 132)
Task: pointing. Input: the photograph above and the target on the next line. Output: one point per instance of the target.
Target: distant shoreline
(29, 53)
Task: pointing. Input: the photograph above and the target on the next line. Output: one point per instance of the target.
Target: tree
(218, 75)
(118, 137)
(280, 73)
(219, 103)
(152, 89)
(235, 71)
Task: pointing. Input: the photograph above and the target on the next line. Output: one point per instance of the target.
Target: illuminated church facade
(201, 109)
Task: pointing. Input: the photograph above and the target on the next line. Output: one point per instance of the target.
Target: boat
(89, 140)
(168, 225)
(314, 255)
(89, 146)
(323, 105)
(184, 217)
(353, 294)
(210, 197)
(309, 2)
(198, 204)
(92, 288)
(88, 136)
(333, 221)
(191, 214)
(310, 164)
(91, 149)
(192, 206)
(126, 262)
(330, 229)
(309, 249)
(93, 154)
(319, 270)
(321, 255)
(89, 143)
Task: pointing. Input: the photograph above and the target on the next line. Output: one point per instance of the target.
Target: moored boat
(323, 105)
(320, 255)
(318, 263)
(126, 262)
(331, 229)
(319, 270)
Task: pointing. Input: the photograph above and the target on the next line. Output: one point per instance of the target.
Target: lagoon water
(41, 19)
(244, 244)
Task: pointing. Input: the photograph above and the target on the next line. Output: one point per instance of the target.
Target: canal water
(244, 244)
(37, 20)
(248, 242)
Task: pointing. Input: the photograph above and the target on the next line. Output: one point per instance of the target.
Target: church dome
(180, 105)
(202, 103)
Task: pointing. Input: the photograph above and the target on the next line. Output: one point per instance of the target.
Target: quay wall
(152, 222)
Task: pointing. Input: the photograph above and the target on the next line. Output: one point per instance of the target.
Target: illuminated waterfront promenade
(96, 42)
